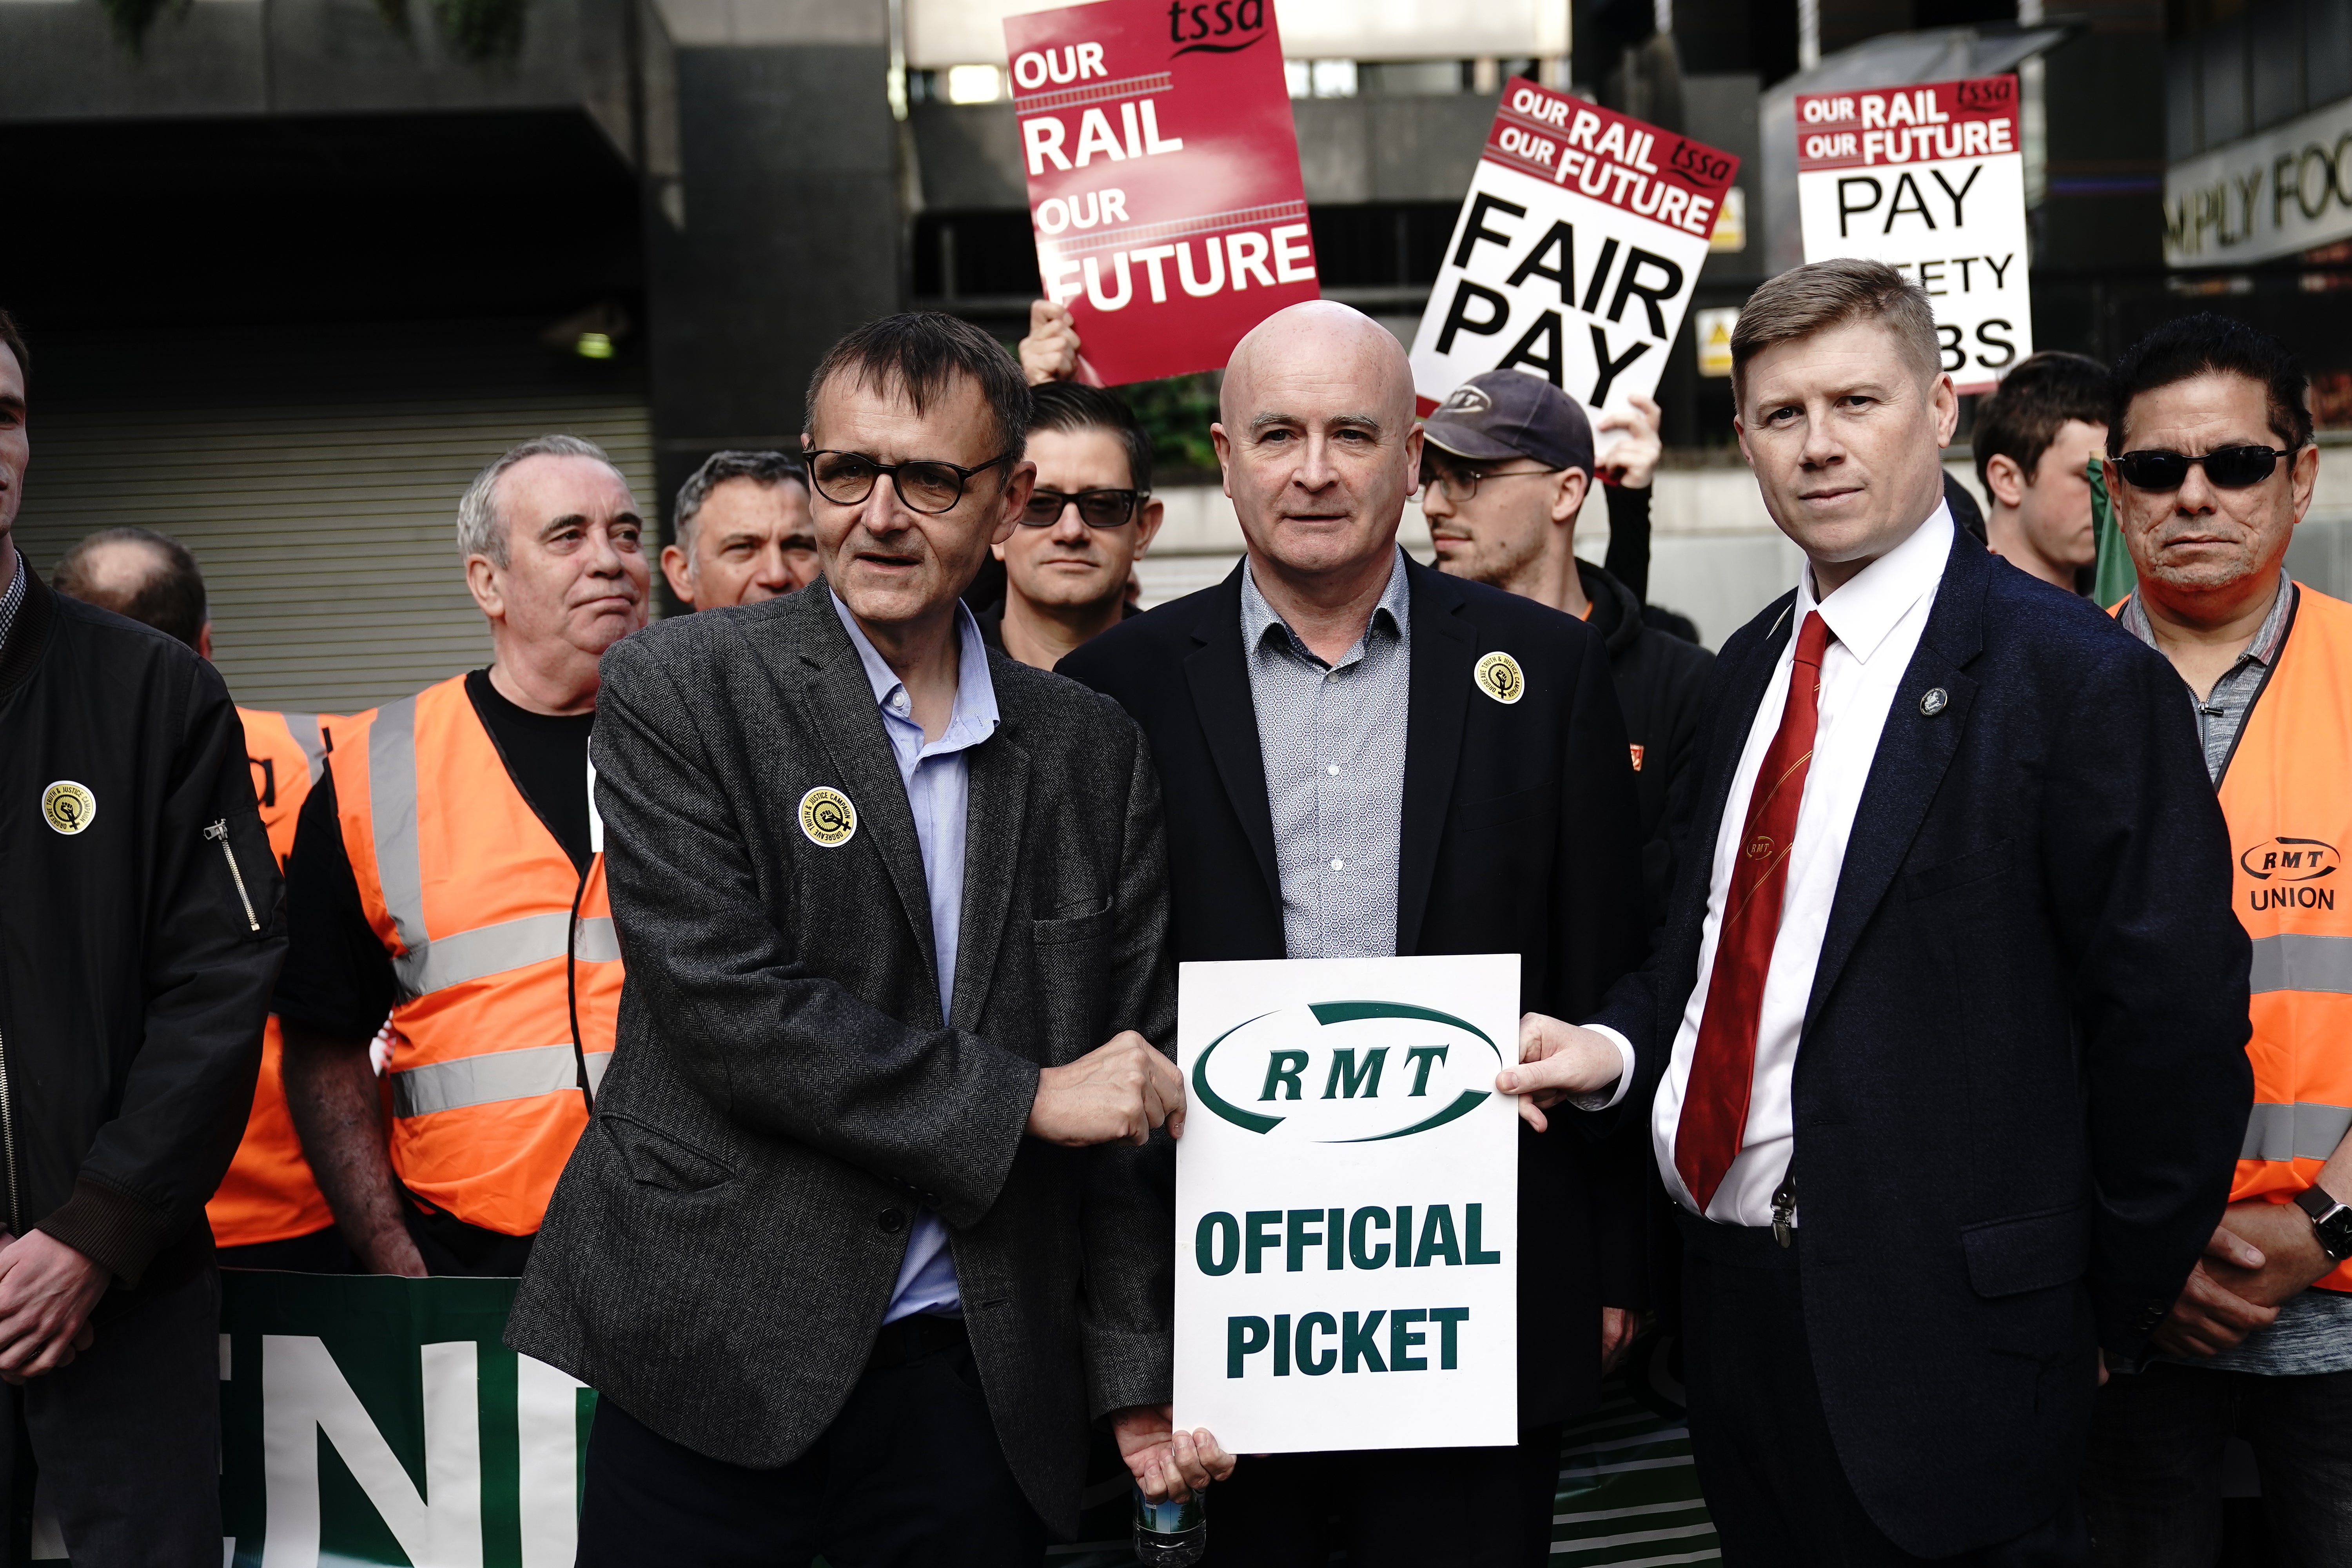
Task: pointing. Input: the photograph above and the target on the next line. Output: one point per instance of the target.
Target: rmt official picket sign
(1347, 1204)
(1163, 177)
(1931, 180)
(1576, 252)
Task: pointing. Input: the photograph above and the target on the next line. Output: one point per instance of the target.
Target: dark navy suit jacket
(1521, 834)
(2021, 1084)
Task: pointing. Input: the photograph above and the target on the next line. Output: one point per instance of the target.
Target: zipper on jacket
(8, 1138)
(219, 833)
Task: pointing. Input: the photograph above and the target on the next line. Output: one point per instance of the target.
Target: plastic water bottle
(1169, 1534)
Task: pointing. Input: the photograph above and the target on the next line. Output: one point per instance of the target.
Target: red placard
(1610, 157)
(1940, 120)
(1163, 177)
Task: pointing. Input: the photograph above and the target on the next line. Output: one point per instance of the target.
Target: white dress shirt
(1875, 624)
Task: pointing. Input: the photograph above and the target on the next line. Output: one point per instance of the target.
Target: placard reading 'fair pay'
(1347, 1204)
(1576, 252)
(1931, 180)
(1163, 178)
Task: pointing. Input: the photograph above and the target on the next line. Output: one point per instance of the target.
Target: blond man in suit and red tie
(1946, 1027)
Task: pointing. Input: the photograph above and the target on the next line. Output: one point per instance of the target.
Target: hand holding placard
(1557, 1060)
(1115, 1093)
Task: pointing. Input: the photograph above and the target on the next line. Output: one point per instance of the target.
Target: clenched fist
(1117, 1091)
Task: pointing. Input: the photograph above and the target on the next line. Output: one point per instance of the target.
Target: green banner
(372, 1420)
(368, 1419)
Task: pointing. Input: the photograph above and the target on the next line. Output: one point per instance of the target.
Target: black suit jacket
(2023, 1081)
(1520, 835)
(719, 1252)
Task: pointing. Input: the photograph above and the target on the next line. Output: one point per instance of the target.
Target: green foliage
(481, 30)
(1178, 411)
(131, 18)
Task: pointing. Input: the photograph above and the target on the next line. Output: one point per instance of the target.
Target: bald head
(148, 576)
(1320, 448)
(1335, 342)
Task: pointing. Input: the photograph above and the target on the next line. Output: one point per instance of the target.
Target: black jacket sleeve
(338, 978)
(1628, 538)
(215, 937)
(1598, 924)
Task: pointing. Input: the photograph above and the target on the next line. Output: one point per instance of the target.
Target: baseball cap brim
(1464, 442)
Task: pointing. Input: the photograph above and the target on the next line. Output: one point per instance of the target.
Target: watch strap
(2331, 1222)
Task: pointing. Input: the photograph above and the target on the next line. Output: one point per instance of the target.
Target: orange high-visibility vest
(269, 1193)
(499, 945)
(2287, 791)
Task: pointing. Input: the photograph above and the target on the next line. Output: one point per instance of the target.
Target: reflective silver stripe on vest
(490, 1079)
(392, 819)
(2301, 1131)
(304, 728)
(494, 950)
(2296, 961)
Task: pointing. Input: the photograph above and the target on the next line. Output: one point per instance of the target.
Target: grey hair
(480, 530)
(765, 468)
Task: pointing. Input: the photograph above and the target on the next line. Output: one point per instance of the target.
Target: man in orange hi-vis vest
(451, 871)
(2212, 464)
(268, 1212)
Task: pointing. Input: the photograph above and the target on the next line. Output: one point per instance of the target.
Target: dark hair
(12, 339)
(2209, 344)
(918, 353)
(169, 597)
(2021, 417)
(1823, 295)
(1070, 407)
(764, 467)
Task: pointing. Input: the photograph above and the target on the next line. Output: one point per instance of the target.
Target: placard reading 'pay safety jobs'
(1163, 178)
(1347, 1204)
(1576, 252)
(1931, 180)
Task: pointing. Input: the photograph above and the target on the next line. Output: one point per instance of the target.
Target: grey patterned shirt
(2314, 1331)
(1333, 737)
(15, 598)
(2221, 712)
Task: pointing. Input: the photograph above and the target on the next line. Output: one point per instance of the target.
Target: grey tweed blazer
(720, 1249)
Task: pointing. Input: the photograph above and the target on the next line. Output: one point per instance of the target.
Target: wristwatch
(2330, 1221)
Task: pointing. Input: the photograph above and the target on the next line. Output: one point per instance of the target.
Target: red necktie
(1723, 1067)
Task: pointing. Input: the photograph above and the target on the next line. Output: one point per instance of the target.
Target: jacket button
(892, 1221)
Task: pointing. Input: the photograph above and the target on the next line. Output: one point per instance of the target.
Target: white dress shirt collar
(1861, 613)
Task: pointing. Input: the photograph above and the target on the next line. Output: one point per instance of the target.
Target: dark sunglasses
(1097, 509)
(847, 478)
(2226, 468)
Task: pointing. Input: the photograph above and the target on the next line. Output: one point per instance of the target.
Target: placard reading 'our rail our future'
(1347, 1204)
(1163, 178)
(1575, 255)
(1931, 180)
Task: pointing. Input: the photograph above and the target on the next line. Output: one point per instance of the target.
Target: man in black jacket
(1360, 758)
(138, 942)
(1505, 427)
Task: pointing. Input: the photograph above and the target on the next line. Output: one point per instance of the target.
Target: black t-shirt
(337, 979)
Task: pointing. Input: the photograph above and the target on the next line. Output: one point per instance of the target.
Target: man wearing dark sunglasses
(2211, 466)
(1089, 520)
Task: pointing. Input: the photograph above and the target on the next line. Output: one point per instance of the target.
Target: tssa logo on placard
(1347, 1072)
(1214, 27)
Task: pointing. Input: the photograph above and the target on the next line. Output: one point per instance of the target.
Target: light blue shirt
(938, 778)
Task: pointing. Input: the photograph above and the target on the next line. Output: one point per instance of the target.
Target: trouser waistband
(911, 1339)
(1737, 1245)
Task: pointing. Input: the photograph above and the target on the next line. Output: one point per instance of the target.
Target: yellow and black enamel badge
(69, 807)
(828, 818)
(1498, 677)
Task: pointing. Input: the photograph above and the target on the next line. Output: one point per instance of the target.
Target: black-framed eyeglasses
(925, 485)
(1097, 509)
(1462, 484)
(2226, 468)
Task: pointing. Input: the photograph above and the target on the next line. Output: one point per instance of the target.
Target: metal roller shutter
(327, 535)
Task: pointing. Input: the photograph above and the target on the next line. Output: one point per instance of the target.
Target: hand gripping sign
(1163, 177)
(1347, 1204)
(1575, 253)
(1931, 180)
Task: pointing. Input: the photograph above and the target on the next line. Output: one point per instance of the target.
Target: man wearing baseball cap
(1506, 462)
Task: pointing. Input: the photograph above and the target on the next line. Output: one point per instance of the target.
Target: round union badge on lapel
(1498, 676)
(828, 818)
(69, 807)
(1935, 702)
